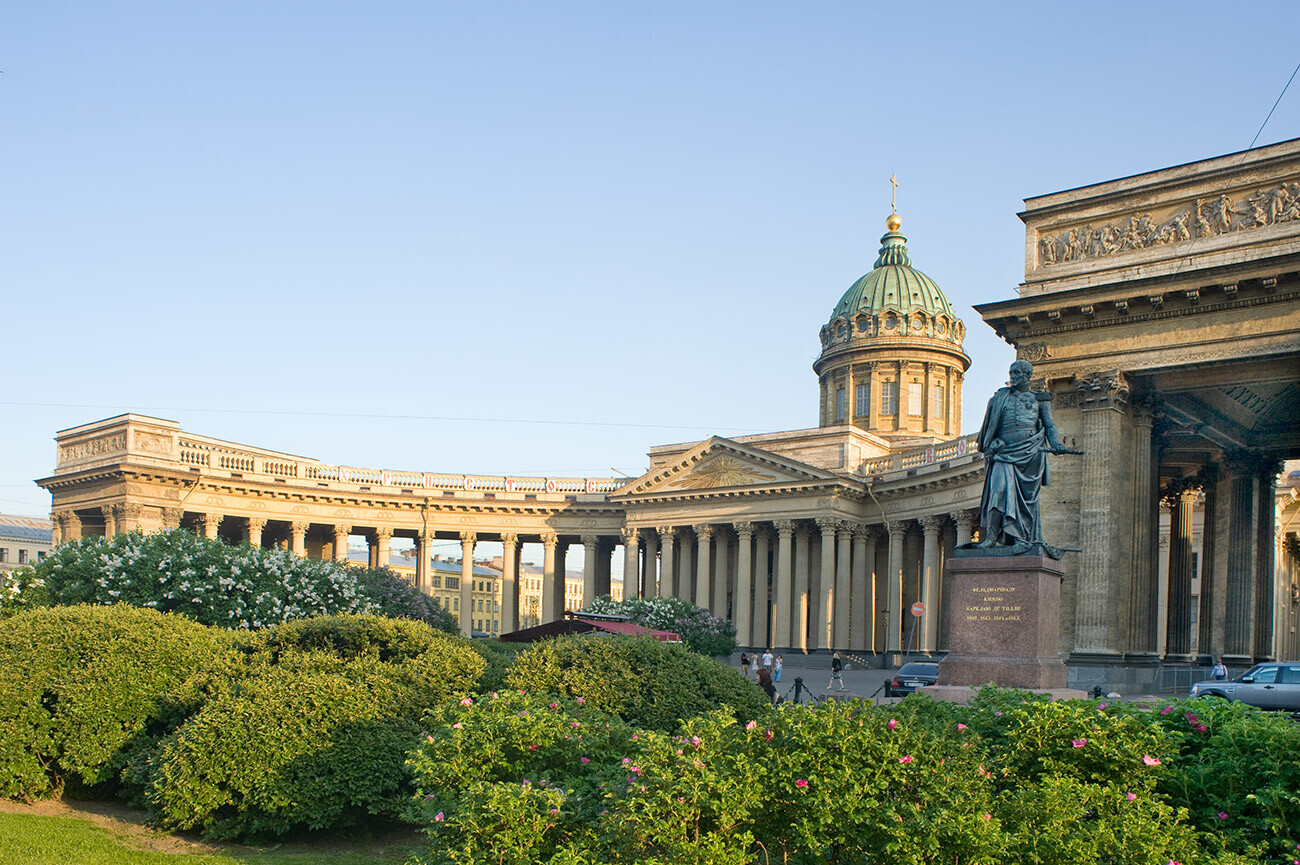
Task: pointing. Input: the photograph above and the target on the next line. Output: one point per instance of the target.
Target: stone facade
(1172, 350)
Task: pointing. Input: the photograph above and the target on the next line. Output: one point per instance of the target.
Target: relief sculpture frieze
(95, 447)
(1192, 220)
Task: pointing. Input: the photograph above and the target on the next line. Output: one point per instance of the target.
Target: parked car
(910, 677)
(1269, 686)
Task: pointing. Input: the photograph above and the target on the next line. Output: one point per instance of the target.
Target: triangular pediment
(720, 463)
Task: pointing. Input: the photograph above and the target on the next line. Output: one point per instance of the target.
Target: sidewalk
(816, 674)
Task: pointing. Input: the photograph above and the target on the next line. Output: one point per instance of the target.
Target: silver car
(1269, 686)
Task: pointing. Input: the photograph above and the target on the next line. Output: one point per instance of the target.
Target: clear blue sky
(560, 214)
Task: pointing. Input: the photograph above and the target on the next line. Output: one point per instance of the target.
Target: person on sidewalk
(764, 678)
(1219, 671)
(776, 668)
(744, 665)
(767, 660)
(837, 672)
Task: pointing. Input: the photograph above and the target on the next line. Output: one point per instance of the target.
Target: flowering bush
(506, 780)
(700, 630)
(216, 584)
(646, 683)
(21, 589)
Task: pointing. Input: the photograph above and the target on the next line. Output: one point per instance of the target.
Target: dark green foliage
(314, 738)
(646, 683)
(80, 687)
(499, 657)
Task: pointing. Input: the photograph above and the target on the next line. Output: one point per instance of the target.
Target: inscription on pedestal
(992, 604)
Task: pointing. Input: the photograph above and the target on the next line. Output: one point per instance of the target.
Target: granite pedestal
(1004, 622)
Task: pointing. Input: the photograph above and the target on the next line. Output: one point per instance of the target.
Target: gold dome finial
(893, 222)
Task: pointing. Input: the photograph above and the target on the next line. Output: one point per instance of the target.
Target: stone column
(467, 540)
(965, 522)
(822, 630)
(800, 609)
(383, 546)
(253, 534)
(1265, 542)
(589, 554)
(650, 579)
(509, 583)
(128, 517)
(760, 637)
(552, 580)
(667, 549)
(604, 566)
(110, 520)
(56, 535)
(894, 603)
(341, 542)
(926, 409)
(703, 545)
(631, 564)
(723, 563)
(1242, 501)
(743, 602)
(685, 580)
(862, 631)
(1101, 497)
(1178, 627)
(423, 562)
(210, 524)
(873, 394)
(171, 518)
(784, 589)
(930, 526)
(1145, 588)
(298, 539)
(1214, 540)
(840, 612)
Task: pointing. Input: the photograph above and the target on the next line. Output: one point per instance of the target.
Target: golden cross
(893, 181)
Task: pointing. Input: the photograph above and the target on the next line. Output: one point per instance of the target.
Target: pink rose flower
(751, 725)
(585, 760)
(579, 701)
(1130, 796)
(467, 702)
(801, 783)
(1166, 710)
(532, 747)
(907, 758)
(439, 817)
(456, 726)
(1150, 761)
(1223, 815)
(892, 724)
(1078, 743)
(962, 728)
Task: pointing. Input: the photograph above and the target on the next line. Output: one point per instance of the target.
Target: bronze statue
(1015, 439)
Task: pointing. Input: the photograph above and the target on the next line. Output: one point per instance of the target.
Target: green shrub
(352, 636)
(699, 629)
(1237, 774)
(81, 687)
(649, 684)
(316, 740)
(217, 584)
(499, 657)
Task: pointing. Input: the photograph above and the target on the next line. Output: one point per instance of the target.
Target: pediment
(720, 463)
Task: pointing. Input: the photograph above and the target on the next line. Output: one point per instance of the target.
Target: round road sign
(918, 609)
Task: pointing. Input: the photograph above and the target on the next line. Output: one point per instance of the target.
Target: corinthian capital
(703, 531)
(743, 528)
(1105, 389)
(784, 527)
(930, 524)
(827, 524)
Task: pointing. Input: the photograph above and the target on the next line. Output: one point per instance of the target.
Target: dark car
(910, 677)
(1269, 686)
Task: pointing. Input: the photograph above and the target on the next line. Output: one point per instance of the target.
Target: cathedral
(1161, 312)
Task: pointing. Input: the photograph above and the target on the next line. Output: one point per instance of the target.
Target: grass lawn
(61, 839)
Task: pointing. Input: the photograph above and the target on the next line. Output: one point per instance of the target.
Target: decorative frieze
(1182, 223)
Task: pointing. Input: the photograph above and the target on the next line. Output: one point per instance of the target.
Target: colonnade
(797, 584)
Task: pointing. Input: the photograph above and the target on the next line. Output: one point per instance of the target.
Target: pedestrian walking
(776, 668)
(837, 672)
(744, 665)
(767, 660)
(1219, 671)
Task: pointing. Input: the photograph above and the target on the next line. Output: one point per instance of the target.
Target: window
(480, 605)
(1196, 607)
(1266, 676)
(40, 556)
(455, 605)
(22, 557)
(4, 554)
(889, 397)
(1291, 674)
(862, 401)
(890, 322)
(914, 394)
(839, 403)
(936, 401)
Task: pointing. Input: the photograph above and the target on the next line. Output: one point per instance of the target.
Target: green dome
(893, 284)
